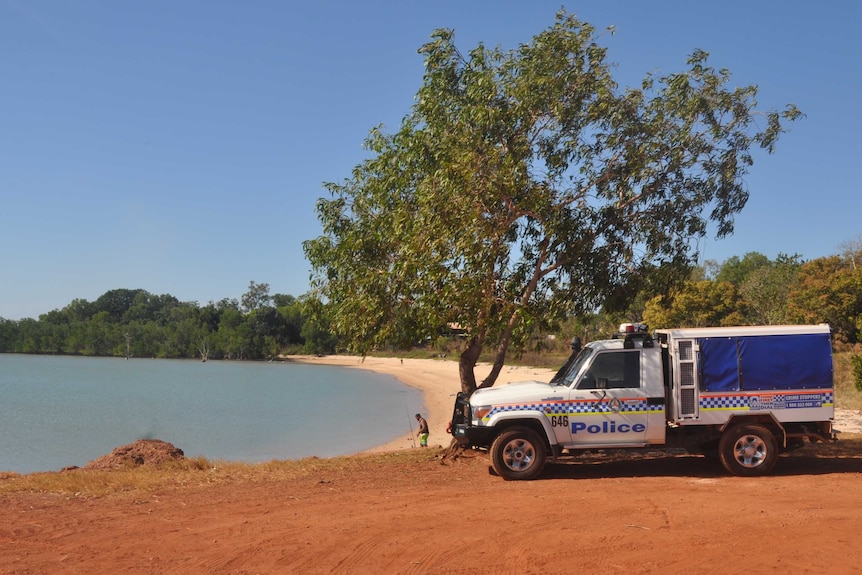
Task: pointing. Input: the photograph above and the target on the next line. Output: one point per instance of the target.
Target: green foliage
(137, 323)
(525, 186)
(764, 290)
(256, 297)
(736, 270)
(316, 330)
(856, 362)
(828, 290)
(786, 290)
(696, 304)
(824, 290)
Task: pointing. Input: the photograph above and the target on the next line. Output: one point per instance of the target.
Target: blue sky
(180, 146)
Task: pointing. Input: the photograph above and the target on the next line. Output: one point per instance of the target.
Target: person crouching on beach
(423, 431)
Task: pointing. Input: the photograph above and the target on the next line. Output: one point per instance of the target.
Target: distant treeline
(752, 290)
(136, 323)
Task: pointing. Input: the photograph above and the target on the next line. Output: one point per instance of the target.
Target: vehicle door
(607, 401)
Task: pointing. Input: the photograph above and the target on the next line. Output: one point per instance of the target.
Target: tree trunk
(500, 355)
(506, 336)
(470, 356)
(467, 364)
(499, 359)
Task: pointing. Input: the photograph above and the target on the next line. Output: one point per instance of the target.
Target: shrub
(856, 362)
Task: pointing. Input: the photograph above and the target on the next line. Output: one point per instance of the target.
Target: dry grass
(191, 474)
(194, 473)
(846, 394)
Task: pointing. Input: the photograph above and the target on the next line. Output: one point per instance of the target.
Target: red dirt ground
(630, 513)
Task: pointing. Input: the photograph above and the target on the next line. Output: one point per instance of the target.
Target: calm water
(60, 411)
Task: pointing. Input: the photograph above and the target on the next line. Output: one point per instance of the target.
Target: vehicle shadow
(617, 465)
(839, 457)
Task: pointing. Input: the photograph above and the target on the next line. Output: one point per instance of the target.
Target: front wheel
(748, 450)
(518, 453)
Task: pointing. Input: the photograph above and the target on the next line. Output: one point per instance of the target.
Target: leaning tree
(525, 183)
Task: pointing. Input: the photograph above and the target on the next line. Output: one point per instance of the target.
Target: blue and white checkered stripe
(579, 407)
(730, 402)
(724, 402)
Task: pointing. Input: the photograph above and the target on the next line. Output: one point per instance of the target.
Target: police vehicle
(739, 394)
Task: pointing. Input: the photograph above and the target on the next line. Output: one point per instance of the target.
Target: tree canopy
(525, 183)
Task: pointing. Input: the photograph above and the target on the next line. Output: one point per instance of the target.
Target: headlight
(481, 412)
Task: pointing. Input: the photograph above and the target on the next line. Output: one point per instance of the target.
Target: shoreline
(437, 379)
(439, 382)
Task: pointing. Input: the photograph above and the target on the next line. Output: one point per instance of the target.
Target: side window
(621, 369)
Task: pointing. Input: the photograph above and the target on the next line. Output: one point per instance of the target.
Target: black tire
(518, 454)
(748, 450)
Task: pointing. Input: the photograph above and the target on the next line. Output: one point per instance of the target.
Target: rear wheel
(748, 450)
(518, 453)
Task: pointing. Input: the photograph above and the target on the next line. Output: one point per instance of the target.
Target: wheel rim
(750, 451)
(519, 455)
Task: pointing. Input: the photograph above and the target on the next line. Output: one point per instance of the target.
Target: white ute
(741, 394)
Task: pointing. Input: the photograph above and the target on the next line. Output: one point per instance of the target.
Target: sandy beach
(437, 379)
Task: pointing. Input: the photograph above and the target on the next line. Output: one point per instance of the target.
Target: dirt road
(635, 513)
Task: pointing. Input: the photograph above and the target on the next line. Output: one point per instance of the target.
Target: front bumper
(470, 436)
(462, 428)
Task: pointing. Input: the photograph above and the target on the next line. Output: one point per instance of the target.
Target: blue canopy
(766, 362)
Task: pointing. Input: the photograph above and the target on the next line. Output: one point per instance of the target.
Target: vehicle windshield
(571, 368)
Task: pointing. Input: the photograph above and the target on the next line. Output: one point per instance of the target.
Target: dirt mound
(152, 452)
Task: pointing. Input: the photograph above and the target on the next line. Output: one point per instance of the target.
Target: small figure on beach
(423, 431)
